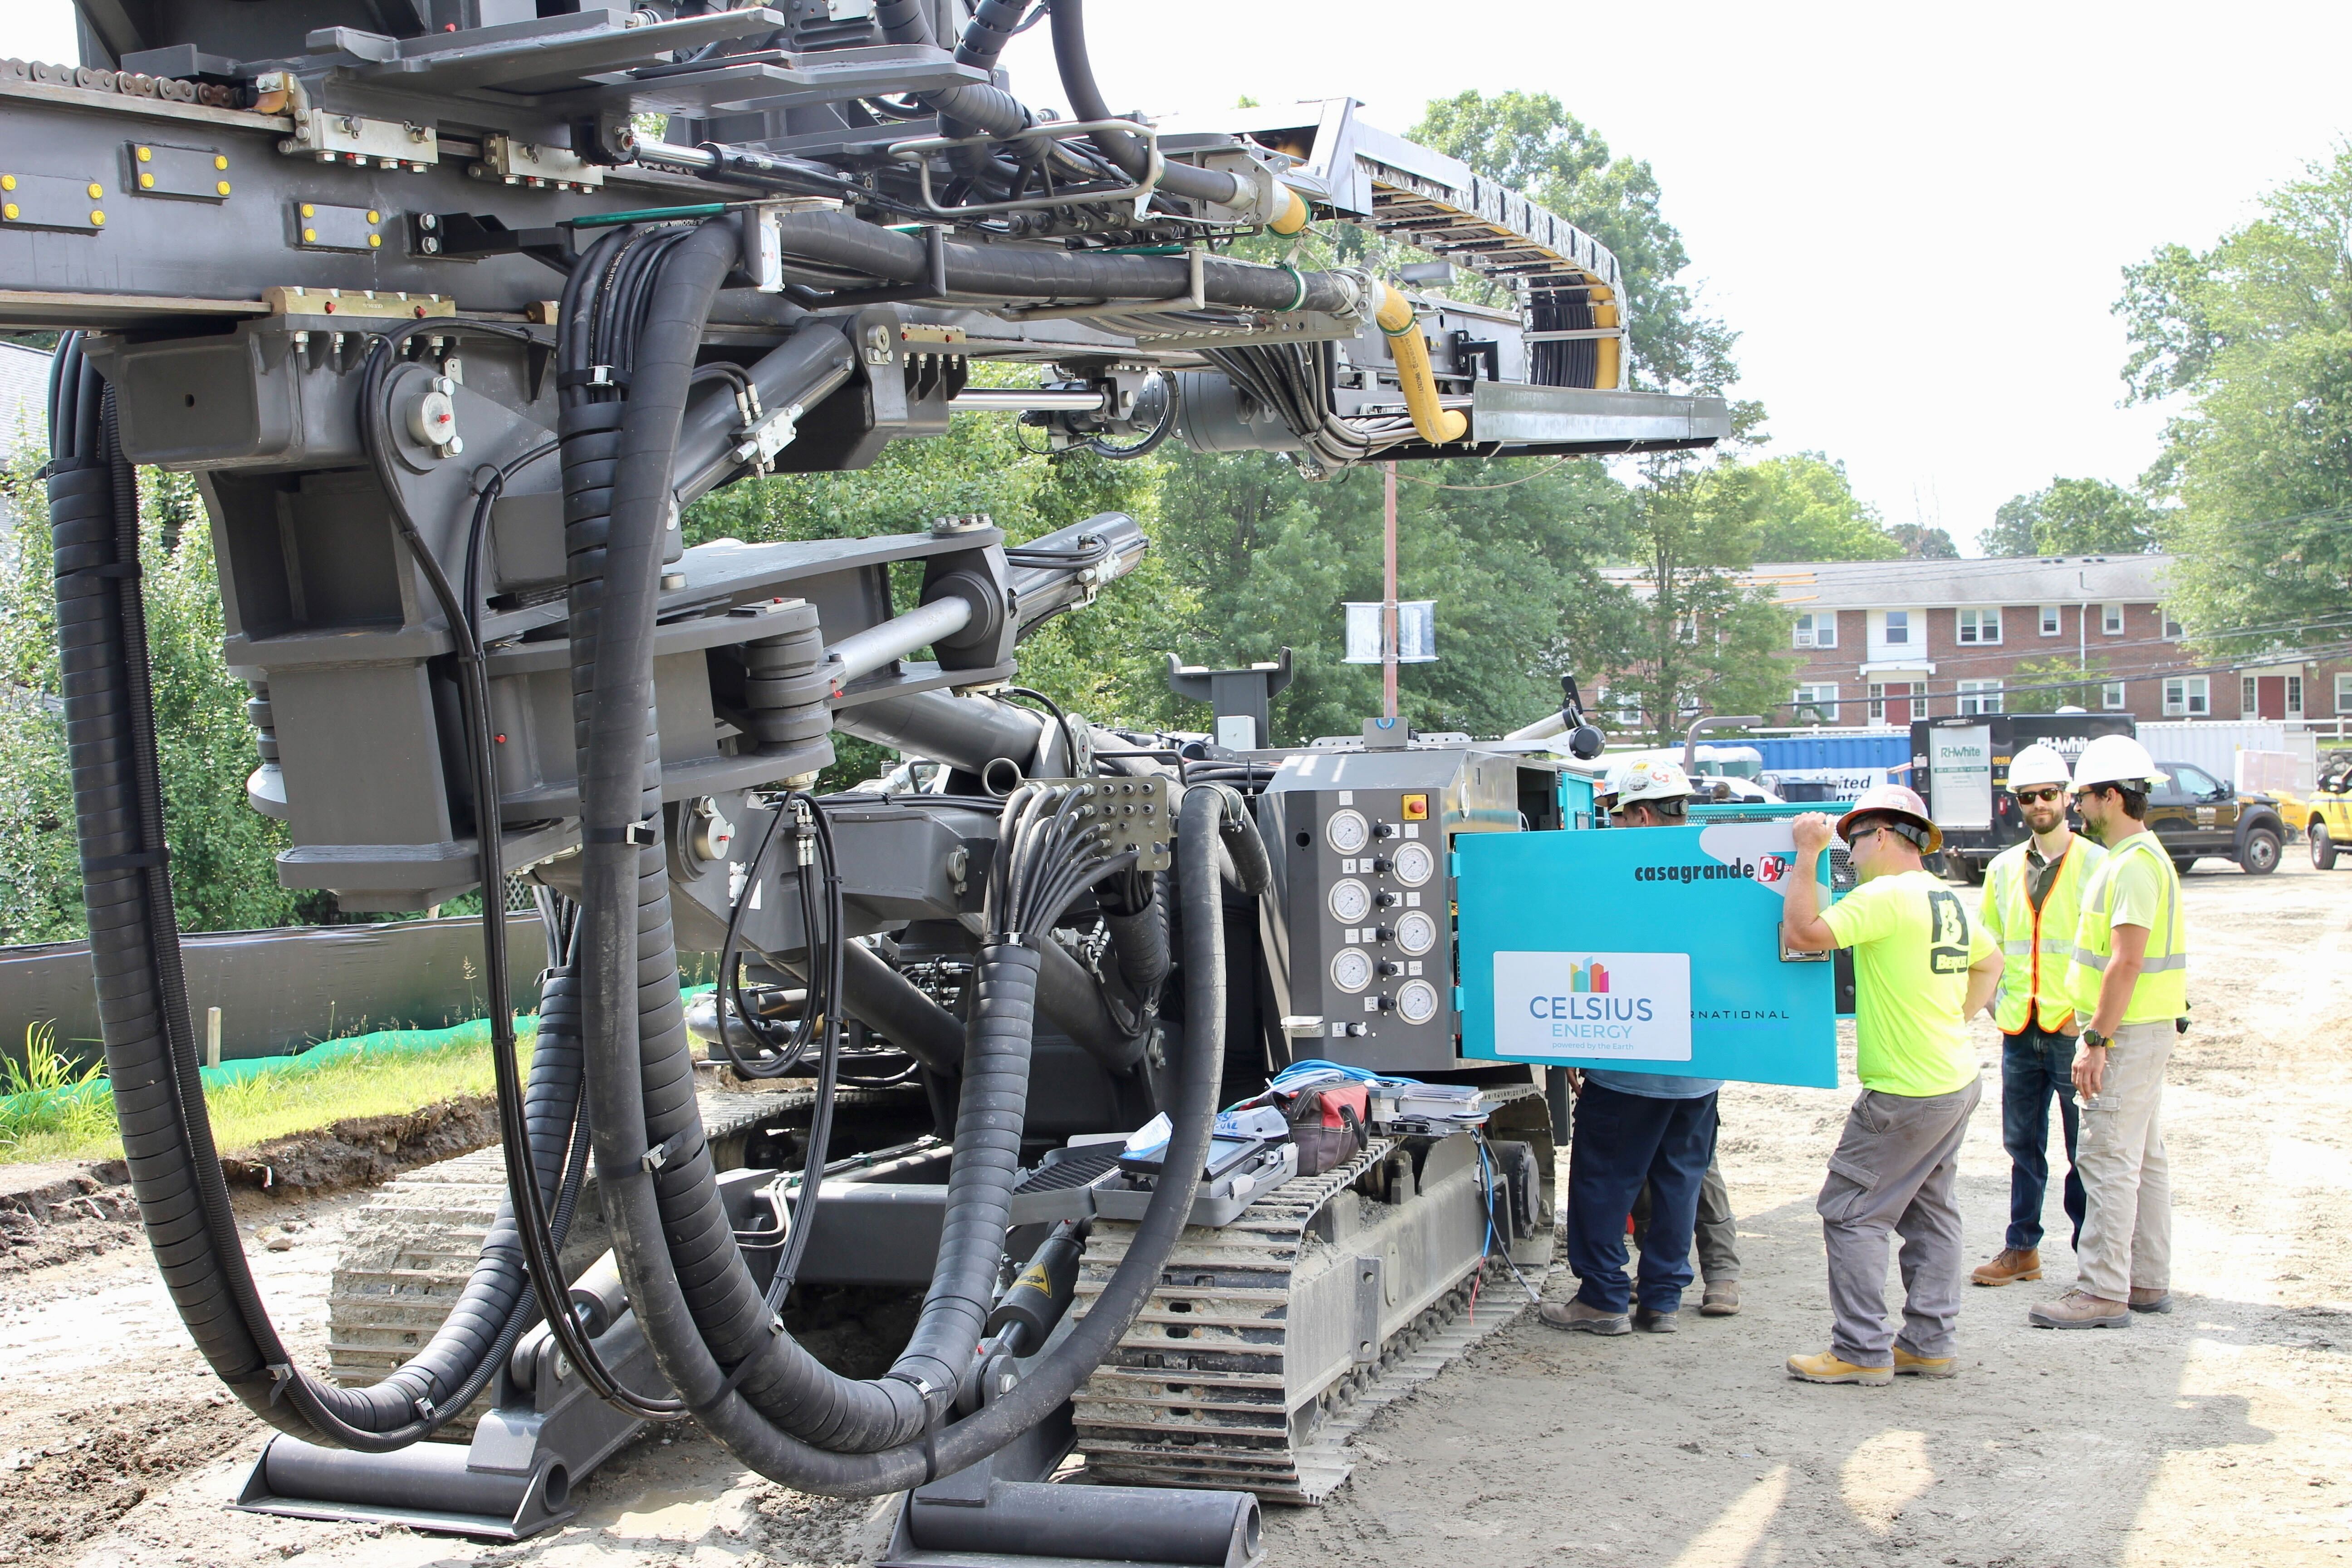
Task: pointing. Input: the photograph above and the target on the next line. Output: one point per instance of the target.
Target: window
(1980, 625)
(2049, 620)
(2249, 704)
(1980, 696)
(1898, 627)
(2111, 696)
(1815, 704)
(2188, 696)
(2172, 627)
(2295, 696)
(2344, 691)
(2111, 619)
(1817, 631)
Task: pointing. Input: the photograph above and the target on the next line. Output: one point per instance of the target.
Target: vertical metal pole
(1388, 592)
(211, 1036)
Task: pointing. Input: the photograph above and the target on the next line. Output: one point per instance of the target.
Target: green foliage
(1532, 143)
(1704, 641)
(1921, 543)
(223, 873)
(1514, 562)
(2072, 517)
(1802, 509)
(2255, 338)
(66, 1105)
(2063, 682)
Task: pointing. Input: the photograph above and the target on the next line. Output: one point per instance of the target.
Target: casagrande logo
(1765, 868)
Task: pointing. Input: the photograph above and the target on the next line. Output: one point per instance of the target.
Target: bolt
(431, 247)
(457, 445)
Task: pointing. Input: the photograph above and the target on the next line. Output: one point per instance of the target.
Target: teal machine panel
(1653, 950)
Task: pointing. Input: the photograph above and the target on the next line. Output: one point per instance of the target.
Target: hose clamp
(1298, 281)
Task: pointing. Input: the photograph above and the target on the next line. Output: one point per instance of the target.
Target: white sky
(1915, 217)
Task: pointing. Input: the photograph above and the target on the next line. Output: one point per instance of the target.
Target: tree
(2250, 344)
(2046, 684)
(1705, 640)
(1921, 543)
(1802, 509)
(1532, 143)
(2072, 517)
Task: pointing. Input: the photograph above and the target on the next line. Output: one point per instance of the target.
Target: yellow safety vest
(2162, 989)
(2037, 946)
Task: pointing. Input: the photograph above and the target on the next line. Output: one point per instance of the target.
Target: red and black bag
(1327, 1122)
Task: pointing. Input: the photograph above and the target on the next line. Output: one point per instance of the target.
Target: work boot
(1827, 1368)
(2147, 1301)
(2013, 1264)
(1578, 1318)
(2079, 1309)
(1651, 1323)
(1909, 1365)
(1722, 1299)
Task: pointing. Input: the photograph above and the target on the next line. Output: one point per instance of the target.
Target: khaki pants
(1893, 1176)
(2127, 1226)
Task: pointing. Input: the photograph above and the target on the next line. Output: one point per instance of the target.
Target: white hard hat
(2117, 759)
(1630, 781)
(2038, 764)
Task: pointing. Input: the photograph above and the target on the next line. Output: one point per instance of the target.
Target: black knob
(1382, 864)
(1384, 933)
(1384, 830)
(1384, 900)
(1388, 966)
(1388, 1003)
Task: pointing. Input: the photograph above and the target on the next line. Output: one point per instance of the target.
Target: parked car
(2198, 816)
(2325, 817)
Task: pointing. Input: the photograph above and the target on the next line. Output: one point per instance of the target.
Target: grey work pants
(1716, 1238)
(1893, 1172)
(2127, 1223)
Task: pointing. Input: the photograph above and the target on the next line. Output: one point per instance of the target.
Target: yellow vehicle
(2327, 817)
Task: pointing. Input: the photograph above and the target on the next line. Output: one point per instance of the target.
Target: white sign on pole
(1633, 1006)
(1960, 773)
(1417, 632)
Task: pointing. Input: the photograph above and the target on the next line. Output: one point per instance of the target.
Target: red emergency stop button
(1416, 809)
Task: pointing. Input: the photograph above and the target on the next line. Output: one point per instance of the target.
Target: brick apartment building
(1885, 642)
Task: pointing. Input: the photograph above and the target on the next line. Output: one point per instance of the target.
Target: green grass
(246, 1111)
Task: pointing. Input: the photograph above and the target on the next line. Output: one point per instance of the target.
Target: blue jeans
(1621, 1141)
(2035, 1065)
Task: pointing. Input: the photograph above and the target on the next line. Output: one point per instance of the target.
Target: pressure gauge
(1414, 863)
(1416, 932)
(1350, 901)
(1348, 831)
(1416, 1002)
(1351, 970)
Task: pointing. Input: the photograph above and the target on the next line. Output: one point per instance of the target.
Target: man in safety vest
(2129, 985)
(2033, 896)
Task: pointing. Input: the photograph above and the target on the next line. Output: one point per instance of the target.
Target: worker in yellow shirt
(1921, 968)
(2129, 987)
(2033, 898)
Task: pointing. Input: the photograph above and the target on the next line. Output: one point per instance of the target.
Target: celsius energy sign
(1648, 948)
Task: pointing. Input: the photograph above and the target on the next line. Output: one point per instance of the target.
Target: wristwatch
(2095, 1040)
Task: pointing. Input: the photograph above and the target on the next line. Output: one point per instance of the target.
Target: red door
(1898, 703)
(2270, 697)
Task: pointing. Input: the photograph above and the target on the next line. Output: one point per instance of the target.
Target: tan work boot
(1721, 1301)
(1909, 1365)
(1578, 1318)
(2080, 1309)
(1827, 1367)
(2014, 1263)
(2149, 1300)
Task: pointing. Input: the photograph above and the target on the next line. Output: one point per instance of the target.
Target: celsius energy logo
(1619, 1006)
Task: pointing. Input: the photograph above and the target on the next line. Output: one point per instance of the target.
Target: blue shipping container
(1886, 749)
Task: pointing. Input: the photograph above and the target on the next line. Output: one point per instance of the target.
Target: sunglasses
(1862, 835)
(2034, 796)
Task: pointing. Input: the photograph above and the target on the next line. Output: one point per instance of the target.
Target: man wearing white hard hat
(2033, 900)
(2129, 987)
(1922, 967)
(1635, 1132)
(1657, 794)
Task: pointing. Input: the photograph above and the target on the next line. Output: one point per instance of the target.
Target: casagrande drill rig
(452, 306)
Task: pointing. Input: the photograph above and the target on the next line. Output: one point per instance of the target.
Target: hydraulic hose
(1077, 73)
(1437, 426)
(175, 1169)
(983, 107)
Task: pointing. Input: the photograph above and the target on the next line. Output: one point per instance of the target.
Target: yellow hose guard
(1437, 426)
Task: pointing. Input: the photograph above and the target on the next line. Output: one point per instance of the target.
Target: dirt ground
(2217, 1435)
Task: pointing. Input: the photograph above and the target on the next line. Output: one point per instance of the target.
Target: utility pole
(1388, 592)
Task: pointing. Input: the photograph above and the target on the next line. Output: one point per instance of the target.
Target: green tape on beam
(647, 214)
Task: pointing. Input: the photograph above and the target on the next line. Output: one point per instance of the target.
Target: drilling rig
(452, 307)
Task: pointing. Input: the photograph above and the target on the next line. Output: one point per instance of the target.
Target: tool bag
(1327, 1122)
